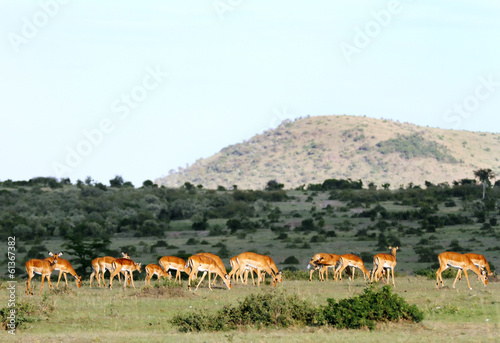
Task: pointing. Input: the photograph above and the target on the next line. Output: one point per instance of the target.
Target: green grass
(144, 314)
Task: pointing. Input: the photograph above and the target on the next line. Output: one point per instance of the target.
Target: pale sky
(137, 88)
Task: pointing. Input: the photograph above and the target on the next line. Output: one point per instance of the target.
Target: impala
(206, 265)
(43, 267)
(323, 261)
(154, 269)
(175, 263)
(100, 265)
(217, 260)
(234, 275)
(234, 269)
(277, 274)
(480, 262)
(124, 265)
(64, 267)
(461, 262)
(350, 260)
(382, 262)
(258, 262)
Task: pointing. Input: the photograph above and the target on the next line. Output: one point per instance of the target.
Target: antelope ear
(50, 253)
(60, 254)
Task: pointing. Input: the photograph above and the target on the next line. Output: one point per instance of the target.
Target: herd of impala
(242, 265)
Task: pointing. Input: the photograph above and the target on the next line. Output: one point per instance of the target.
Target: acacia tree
(484, 175)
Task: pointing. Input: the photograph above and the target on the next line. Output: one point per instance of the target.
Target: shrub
(192, 241)
(276, 309)
(367, 309)
(273, 309)
(291, 260)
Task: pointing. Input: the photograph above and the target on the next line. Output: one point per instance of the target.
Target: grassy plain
(143, 314)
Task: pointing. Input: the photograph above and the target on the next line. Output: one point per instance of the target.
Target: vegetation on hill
(313, 149)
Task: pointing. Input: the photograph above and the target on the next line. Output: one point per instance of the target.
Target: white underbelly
(454, 266)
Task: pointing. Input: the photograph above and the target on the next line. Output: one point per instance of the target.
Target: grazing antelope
(251, 260)
(217, 260)
(206, 265)
(175, 263)
(124, 265)
(64, 267)
(350, 260)
(154, 269)
(321, 262)
(462, 263)
(99, 267)
(42, 267)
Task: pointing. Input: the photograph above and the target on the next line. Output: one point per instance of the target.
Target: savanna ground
(143, 314)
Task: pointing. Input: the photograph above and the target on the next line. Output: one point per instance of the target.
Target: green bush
(367, 309)
(291, 260)
(276, 309)
(259, 310)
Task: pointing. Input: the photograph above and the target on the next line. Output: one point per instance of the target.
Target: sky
(141, 88)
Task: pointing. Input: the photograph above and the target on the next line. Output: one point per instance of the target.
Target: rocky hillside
(312, 149)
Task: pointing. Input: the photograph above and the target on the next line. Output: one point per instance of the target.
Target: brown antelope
(350, 260)
(175, 263)
(206, 265)
(217, 260)
(480, 262)
(258, 262)
(42, 267)
(234, 268)
(154, 269)
(384, 262)
(124, 265)
(99, 267)
(461, 262)
(63, 266)
(321, 262)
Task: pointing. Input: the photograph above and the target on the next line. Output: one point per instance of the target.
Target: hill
(310, 150)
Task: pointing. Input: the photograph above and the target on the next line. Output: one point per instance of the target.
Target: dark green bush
(275, 309)
(259, 310)
(367, 309)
